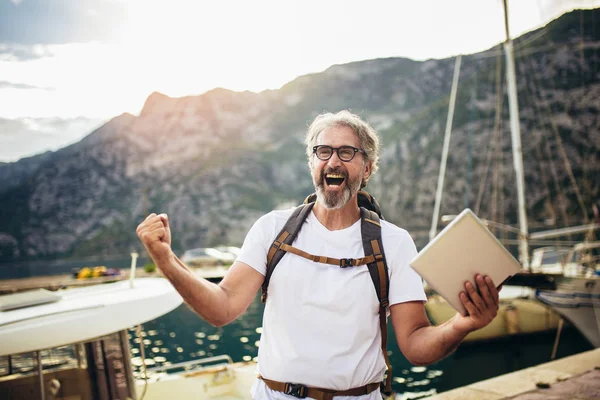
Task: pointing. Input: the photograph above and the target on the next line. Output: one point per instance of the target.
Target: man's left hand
(482, 305)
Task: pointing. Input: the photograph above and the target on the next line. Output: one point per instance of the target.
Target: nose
(335, 159)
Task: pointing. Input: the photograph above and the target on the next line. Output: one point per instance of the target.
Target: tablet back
(461, 250)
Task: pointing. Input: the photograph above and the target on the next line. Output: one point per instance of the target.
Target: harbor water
(182, 336)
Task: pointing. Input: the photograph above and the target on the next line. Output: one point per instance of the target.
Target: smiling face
(336, 181)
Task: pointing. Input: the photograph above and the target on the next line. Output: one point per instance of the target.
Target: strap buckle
(346, 262)
(295, 389)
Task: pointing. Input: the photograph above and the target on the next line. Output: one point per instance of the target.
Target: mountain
(217, 161)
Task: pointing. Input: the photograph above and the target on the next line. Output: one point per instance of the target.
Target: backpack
(370, 214)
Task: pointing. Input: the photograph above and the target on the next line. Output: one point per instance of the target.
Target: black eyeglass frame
(337, 150)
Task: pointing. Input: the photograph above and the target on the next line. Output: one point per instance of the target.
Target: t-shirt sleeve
(405, 283)
(257, 243)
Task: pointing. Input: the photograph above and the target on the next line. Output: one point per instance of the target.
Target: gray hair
(367, 137)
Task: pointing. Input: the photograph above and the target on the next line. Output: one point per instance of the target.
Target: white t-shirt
(321, 322)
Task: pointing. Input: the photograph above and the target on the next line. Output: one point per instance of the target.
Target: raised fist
(155, 234)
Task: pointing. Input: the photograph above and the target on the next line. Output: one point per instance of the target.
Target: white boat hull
(228, 381)
(578, 301)
(85, 313)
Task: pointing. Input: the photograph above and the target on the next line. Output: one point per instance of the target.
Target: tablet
(461, 250)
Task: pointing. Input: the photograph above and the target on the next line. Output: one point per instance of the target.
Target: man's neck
(338, 219)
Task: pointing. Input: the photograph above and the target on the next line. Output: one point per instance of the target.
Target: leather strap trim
(302, 391)
(383, 328)
(382, 274)
(373, 222)
(276, 245)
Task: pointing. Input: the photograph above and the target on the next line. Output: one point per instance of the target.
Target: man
(321, 322)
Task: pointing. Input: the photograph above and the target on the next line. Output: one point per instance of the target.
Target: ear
(367, 171)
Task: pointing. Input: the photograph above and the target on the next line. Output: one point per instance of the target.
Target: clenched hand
(155, 234)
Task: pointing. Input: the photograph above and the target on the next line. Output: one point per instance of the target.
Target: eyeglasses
(345, 153)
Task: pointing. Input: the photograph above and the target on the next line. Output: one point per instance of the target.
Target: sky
(68, 66)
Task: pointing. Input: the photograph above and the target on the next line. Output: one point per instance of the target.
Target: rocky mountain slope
(218, 161)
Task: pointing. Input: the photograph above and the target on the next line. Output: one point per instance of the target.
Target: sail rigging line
(470, 134)
(498, 180)
(562, 200)
(494, 200)
(530, 96)
(581, 53)
(523, 44)
(533, 91)
(561, 150)
(562, 204)
(495, 178)
(540, 157)
(496, 131)
(560, 147)
(502, 198)
(520, 50)
(590, 236)
(138, 332)
(541, 243)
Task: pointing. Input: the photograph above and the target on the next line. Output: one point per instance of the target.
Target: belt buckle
(346, 262)
(295, 389)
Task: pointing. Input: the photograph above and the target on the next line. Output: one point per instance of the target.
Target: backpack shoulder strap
(372, 244)
(287, 235)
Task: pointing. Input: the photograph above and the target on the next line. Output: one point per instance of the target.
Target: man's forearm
(432, 343)
(206, 298)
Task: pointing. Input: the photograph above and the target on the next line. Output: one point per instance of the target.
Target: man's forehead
(340, 134)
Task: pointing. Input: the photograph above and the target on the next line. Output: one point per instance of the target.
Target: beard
(335, 200)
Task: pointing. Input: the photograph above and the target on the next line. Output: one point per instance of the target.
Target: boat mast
(440, 184)
(516, 142)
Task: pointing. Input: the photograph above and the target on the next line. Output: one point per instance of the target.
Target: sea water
(181, 335)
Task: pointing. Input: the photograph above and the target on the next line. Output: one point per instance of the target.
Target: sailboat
(577, 293)
(568, 285)
(576, 296)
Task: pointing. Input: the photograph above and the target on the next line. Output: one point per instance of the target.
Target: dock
(63, 281)
(576, 377)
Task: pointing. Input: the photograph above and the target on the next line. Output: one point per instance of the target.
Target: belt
(301, 391)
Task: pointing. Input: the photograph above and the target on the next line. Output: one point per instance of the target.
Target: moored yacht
(74, 344)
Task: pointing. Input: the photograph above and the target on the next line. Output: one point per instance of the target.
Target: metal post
(470, 150)
(515, 131)
(40, 375)
(124, 339)
(78, 355)
(440, 184)
(134, 257)
(557, 338)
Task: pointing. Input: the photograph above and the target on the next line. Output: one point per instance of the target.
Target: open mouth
(334, 179)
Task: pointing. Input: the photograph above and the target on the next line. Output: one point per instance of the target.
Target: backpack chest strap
(341, 262)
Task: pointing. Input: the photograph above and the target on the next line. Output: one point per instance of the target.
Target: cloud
(12, 85)
(20, 52)
(25, 137)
